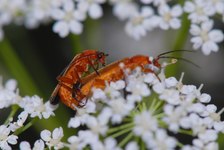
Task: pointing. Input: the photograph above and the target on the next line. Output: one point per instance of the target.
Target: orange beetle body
(72, 75)
(112, 72)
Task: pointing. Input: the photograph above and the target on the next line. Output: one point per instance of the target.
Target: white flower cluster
(31, 106)
(141, 17)
(141, 112)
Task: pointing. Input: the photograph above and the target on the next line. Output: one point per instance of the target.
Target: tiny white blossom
(8, 94)
(169, 17)
(141, 22)
(204, 98)
(53, 139)
(19, 123)
(68, 19)
(73, 143)
(96, 126)
(132, 146)
(145, 124)
(119, 109)
(217, 5)
(199, 10)
(161, 141)
(38, 145)
(93, 7)
(36, 108)
(6, 138)
(108, 144)
(82, 114)
(206, 37)
(123, 9)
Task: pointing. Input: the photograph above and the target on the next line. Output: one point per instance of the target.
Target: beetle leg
(53, 98)
(91, 64)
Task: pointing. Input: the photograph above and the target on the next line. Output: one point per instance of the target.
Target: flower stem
(157, 105)
(24, 128)
(17, 68)
(115, 129)
(179, 43)
(185, 132)
(180, 144)
(126, 139)
(76, 43)
(142, 146)
(12, 113)
(117, 134)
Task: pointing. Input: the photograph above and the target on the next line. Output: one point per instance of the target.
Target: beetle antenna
(183, 59)
(174, 51)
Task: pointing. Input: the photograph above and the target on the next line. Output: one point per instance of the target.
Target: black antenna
(180, 58)
(174, 51)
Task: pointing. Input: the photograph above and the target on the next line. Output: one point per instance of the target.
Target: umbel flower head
(144, 110)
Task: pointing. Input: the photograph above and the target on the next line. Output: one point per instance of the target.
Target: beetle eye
(100, 55)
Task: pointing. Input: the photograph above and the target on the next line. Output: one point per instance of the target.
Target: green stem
(115, 129)
(76, 43)
(160, 115)
(17, 68)
(121, 132)
(126, 139)
(185, 132)
(157, 105)
(179, 43)
(180, 144)
(24, 128)
(142, 146)
(12, 113)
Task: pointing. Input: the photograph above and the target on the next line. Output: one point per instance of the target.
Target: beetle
(111, 72)
(75, 94)
(71, 76)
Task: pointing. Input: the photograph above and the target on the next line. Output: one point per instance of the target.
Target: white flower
(19, 123)
(73, 143)
(38, 145)
(6, 138)
(109, 144)
(218, 5)
(171, 82)
(36, 108)
(8, 94)
(87, 138)
(123, 9)
(92, 7)
(206, 37)
(169, 17)
(173, 116)
(171, 96)
(68, 19)
(10, 11)
(155, 2)
(96, 126)
(39, 11)
(132, 146)
(198, 144)
(82, 114)
(145, 124)
(53, 139)
(199, 10)
(119, 108)
(204, 98)
(140, 22)
(161, 141)
(208, 136)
